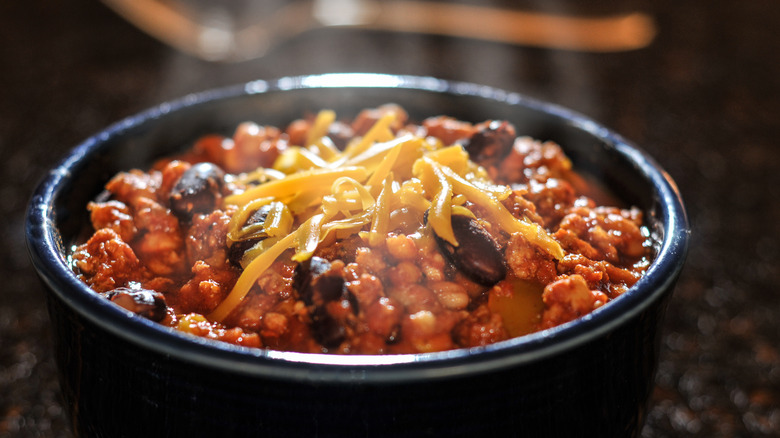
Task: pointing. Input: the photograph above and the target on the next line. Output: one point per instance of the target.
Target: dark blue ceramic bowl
(122, 375)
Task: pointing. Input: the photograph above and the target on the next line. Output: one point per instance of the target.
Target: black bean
(326, 329)
(477, 254)
(305, 272)
(329, 288)
(318, 285)
(237, 249)
(198, 190)
(491, 142)
(148, 303)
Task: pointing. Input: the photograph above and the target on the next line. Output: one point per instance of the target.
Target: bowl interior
(58, 215)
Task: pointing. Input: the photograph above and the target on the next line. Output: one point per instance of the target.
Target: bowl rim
(51, 265)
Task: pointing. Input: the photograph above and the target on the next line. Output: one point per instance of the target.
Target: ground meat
(206, 238)
(384, 316)
(603, 233)
(600, 275)
(134, 186)
(339, 133)
(528, 262)
(207, 287)
(530, 159)
(521, 207)
(254, 146)
(250, 147)
(160, 244)
(567, 299)
(553, 199)
(198, 325)
(106, 262)
(366, 118)
(114, 215)
(171, 173)
(447, 129)
(426, 331)
(481, 327)
(411, 290)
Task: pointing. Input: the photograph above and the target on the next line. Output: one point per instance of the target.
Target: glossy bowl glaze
(122, 375)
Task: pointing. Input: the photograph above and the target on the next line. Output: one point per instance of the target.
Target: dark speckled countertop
(704, 99)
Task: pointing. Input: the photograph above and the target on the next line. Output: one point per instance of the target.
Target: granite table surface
(703, 98)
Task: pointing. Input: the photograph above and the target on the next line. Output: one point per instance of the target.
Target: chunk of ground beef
(107, 262)
(568, 298)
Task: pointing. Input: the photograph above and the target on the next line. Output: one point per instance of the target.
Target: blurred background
(695, 83)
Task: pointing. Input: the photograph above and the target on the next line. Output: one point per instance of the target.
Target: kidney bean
(492, 141)
(477, 254)
(148, 303)
(199, 190)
